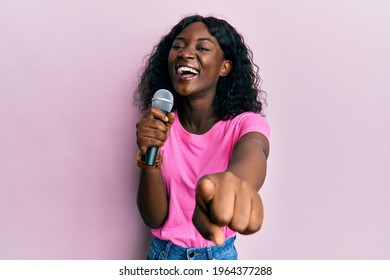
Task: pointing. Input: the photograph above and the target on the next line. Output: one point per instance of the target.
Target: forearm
(249, 160)
(152, 198)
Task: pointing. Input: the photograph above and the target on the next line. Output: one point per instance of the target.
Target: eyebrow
(198, 40)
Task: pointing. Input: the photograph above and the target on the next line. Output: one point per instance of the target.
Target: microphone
(163, 100)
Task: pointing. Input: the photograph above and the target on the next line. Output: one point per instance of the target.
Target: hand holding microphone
(153, 128)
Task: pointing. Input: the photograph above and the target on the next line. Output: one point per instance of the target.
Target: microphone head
(163, 99)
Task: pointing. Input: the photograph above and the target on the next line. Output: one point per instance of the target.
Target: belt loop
(209, 250)
(164, 254)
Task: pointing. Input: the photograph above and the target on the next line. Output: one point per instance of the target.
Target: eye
(177, 47)
(203, 49)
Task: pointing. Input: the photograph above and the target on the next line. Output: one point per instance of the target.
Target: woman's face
(196, 62)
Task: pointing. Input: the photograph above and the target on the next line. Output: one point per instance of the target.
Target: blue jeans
(166, 250)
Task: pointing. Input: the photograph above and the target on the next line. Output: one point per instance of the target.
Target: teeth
(182, 70)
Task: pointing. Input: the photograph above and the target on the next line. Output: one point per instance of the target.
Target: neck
(197, 118)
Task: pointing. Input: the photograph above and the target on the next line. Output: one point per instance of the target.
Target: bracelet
(140, 161)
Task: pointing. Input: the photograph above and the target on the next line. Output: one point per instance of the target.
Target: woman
(214, 143)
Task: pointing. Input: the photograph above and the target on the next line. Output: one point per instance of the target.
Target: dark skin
(228, 198)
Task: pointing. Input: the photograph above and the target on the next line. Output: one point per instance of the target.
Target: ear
(226, 67)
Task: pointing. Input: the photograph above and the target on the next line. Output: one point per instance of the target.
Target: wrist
(140, 161)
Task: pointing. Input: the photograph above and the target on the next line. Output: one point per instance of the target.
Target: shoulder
(252, 122)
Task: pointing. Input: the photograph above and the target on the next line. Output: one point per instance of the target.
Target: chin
(184, 91)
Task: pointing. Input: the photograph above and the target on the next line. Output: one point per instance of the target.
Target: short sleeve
(253, 122)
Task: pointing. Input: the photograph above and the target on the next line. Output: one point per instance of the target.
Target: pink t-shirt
(188, 157)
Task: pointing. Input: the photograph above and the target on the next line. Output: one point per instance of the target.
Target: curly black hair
(237, 92)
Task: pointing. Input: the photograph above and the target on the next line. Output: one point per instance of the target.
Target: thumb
(206, 228)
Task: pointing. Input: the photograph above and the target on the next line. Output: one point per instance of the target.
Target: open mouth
(187, 72)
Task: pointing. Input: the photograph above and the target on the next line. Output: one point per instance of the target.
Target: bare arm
(249, 159)
(231, 198)
(152, 199)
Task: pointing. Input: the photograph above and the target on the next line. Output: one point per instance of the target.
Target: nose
(187, 53)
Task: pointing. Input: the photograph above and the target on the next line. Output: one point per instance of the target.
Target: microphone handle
(151, 153)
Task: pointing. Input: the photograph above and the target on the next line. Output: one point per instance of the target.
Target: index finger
(206, 228)
(156, 113)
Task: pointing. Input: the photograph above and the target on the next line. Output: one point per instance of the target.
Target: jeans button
(192, 254)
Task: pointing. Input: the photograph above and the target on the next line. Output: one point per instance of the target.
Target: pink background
(67, 125)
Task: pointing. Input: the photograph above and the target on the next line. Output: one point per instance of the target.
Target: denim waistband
(208, 252)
